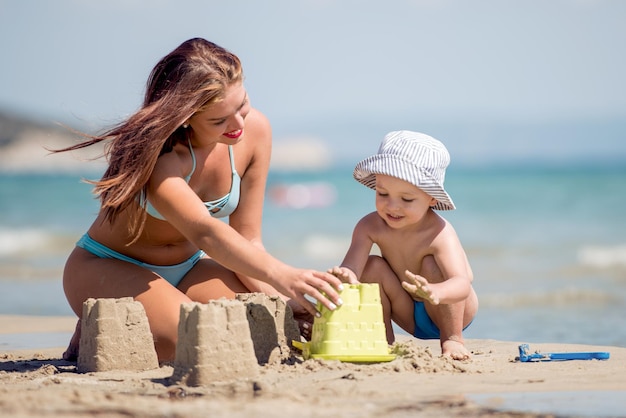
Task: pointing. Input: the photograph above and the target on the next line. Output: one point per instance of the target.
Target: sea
(547, 244)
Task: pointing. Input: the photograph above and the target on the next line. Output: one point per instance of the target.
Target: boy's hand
(344, 274)
(418, 287)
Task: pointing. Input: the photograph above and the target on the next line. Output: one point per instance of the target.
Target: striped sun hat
(413, 157)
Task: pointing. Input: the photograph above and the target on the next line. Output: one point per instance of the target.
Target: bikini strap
(193, 161)
(232, 159)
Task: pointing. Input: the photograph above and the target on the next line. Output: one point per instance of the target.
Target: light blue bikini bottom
(173, 273)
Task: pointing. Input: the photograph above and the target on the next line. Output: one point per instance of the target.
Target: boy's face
(399, 202)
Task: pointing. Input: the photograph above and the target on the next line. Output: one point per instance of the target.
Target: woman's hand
(311, 284)
(344, 274)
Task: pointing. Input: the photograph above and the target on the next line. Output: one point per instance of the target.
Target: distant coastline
(477, 144)
(24, 145)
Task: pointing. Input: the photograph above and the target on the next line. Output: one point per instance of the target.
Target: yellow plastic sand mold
(354, 332)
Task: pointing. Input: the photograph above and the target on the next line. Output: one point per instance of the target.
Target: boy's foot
(455, 350)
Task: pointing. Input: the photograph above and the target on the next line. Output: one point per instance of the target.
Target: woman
(195, 151)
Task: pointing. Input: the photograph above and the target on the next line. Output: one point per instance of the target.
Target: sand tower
(214, 344)
(115, 335)
(272, 327)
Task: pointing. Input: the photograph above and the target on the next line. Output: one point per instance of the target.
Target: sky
(346, 71)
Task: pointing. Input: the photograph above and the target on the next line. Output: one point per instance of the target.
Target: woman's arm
(184, 210)
(248, 218)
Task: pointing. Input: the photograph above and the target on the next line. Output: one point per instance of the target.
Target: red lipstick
(234, 134)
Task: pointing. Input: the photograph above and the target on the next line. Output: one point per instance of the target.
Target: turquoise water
(548, 247)
(592, 404)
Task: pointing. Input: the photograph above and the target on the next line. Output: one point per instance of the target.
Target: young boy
(424, 276)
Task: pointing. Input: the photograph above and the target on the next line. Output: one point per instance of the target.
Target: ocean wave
(36, 243)
(555, 298)
(32, 254)
(603, 256)
(17, 241)
(326, 247)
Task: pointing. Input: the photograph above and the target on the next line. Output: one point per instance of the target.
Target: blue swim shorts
(425, 328)
(173, 274)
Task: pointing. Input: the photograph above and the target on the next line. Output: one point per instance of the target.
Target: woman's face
(223, 121)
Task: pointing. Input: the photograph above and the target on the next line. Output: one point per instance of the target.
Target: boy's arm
(355, 259)
(454, 265)
(455, 283)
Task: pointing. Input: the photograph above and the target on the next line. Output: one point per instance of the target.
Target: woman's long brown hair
(187, 80)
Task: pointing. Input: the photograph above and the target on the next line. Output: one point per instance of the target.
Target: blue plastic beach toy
(524, 356)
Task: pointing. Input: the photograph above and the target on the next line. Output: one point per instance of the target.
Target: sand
(38, 383)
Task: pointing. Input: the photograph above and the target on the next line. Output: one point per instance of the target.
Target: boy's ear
(433, 202)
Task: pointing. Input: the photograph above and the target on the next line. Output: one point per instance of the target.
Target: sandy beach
(37, 382)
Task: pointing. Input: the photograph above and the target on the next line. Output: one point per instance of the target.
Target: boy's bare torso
(405, 248)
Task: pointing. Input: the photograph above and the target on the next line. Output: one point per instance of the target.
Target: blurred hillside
(24, 145)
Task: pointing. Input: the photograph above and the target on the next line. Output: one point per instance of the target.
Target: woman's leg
(88, 276)
(208, 280)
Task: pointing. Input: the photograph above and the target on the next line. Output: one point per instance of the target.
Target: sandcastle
(354, 332)
(115, 335)
(272, 327)
(223, 340)
(227, 340)
(214, 344)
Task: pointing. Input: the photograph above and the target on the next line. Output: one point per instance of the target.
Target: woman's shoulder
(258, 124)
(257, 143)
(178, 162)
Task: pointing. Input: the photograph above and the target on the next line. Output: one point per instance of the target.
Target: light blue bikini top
(218, 208)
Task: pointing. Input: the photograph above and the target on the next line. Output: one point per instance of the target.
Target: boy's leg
(397, 303)
(449, 318)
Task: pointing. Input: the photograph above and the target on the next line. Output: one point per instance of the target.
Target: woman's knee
(165, 347)
(163, 321)
(74, 281)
